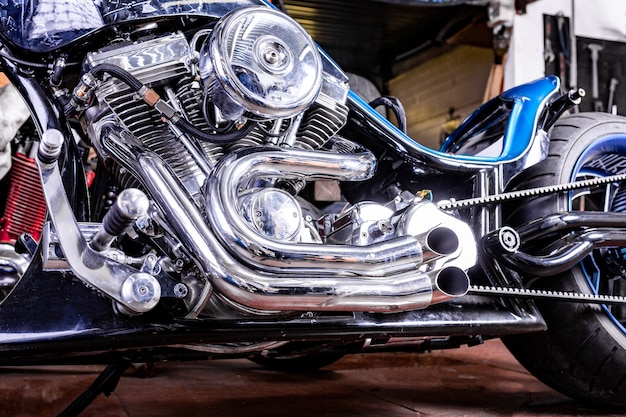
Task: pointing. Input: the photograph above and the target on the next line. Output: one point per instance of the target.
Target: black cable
(210, 120)
(118, 73)
(21, 61)
(394, 104)
(226, 137)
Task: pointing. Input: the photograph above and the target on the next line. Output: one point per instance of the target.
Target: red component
(89, 177)
(25, 210)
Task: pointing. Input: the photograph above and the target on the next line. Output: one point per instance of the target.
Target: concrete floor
(479, 381)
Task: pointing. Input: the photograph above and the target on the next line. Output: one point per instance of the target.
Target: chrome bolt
(509, 239)
(50, 146)
(141, 292)
(180, 290)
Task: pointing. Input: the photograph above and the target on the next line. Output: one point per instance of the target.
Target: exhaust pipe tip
(450, 282)
(443, 241)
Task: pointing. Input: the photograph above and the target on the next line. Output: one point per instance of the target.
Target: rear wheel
(583, 352)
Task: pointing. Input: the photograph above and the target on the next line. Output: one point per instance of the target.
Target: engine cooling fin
(320, 124)
(25, 209)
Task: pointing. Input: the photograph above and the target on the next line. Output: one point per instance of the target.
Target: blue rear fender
(521, 106)
(517, 111)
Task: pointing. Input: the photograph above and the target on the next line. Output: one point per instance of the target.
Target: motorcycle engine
(233, 209)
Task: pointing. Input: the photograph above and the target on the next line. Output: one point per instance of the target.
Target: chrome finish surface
(130, 205)
(50, 147)
(391, 256)
(12, 267)
(309, 285)
(150, 61)
(261, 62)
(272, 212)
(158, 60)
(199, 157)
(88, 265)
(370, 223)
(140, 291)
(440, 234)
(240, 233)
(399, 253)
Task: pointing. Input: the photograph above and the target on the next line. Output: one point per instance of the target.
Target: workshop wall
(455, 79)
(600, 28)
(552, 37)
(582, 41)
(525, 59)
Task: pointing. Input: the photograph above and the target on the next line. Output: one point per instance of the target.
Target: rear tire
(583, 352)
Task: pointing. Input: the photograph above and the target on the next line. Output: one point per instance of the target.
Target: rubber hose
(224, 137)
(118, 73)
(396, 107)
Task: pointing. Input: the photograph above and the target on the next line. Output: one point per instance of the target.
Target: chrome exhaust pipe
(306, 285)
(449, 282)
(400, 254)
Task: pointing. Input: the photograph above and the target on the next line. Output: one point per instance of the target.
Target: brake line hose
(152, 98)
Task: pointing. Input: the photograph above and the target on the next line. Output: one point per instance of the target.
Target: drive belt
(531, 192)
(547, 294)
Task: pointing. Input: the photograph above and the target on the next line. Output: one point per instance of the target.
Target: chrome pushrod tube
(273, 291)
(392, 256)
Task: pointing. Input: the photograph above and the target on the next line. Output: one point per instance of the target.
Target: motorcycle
(164, 204)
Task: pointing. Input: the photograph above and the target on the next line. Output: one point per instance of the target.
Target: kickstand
(105, 384)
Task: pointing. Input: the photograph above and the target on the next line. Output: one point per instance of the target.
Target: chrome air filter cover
(260, 62)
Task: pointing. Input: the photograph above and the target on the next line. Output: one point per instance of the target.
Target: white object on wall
(525, 60)
(601, 19)
(598, 19)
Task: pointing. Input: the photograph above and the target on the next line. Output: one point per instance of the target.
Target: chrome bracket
(134, 291)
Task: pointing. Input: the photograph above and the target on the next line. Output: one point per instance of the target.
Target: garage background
(443, 58)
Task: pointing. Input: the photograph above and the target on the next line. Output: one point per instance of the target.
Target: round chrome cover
(273, 213)
(260, 61)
